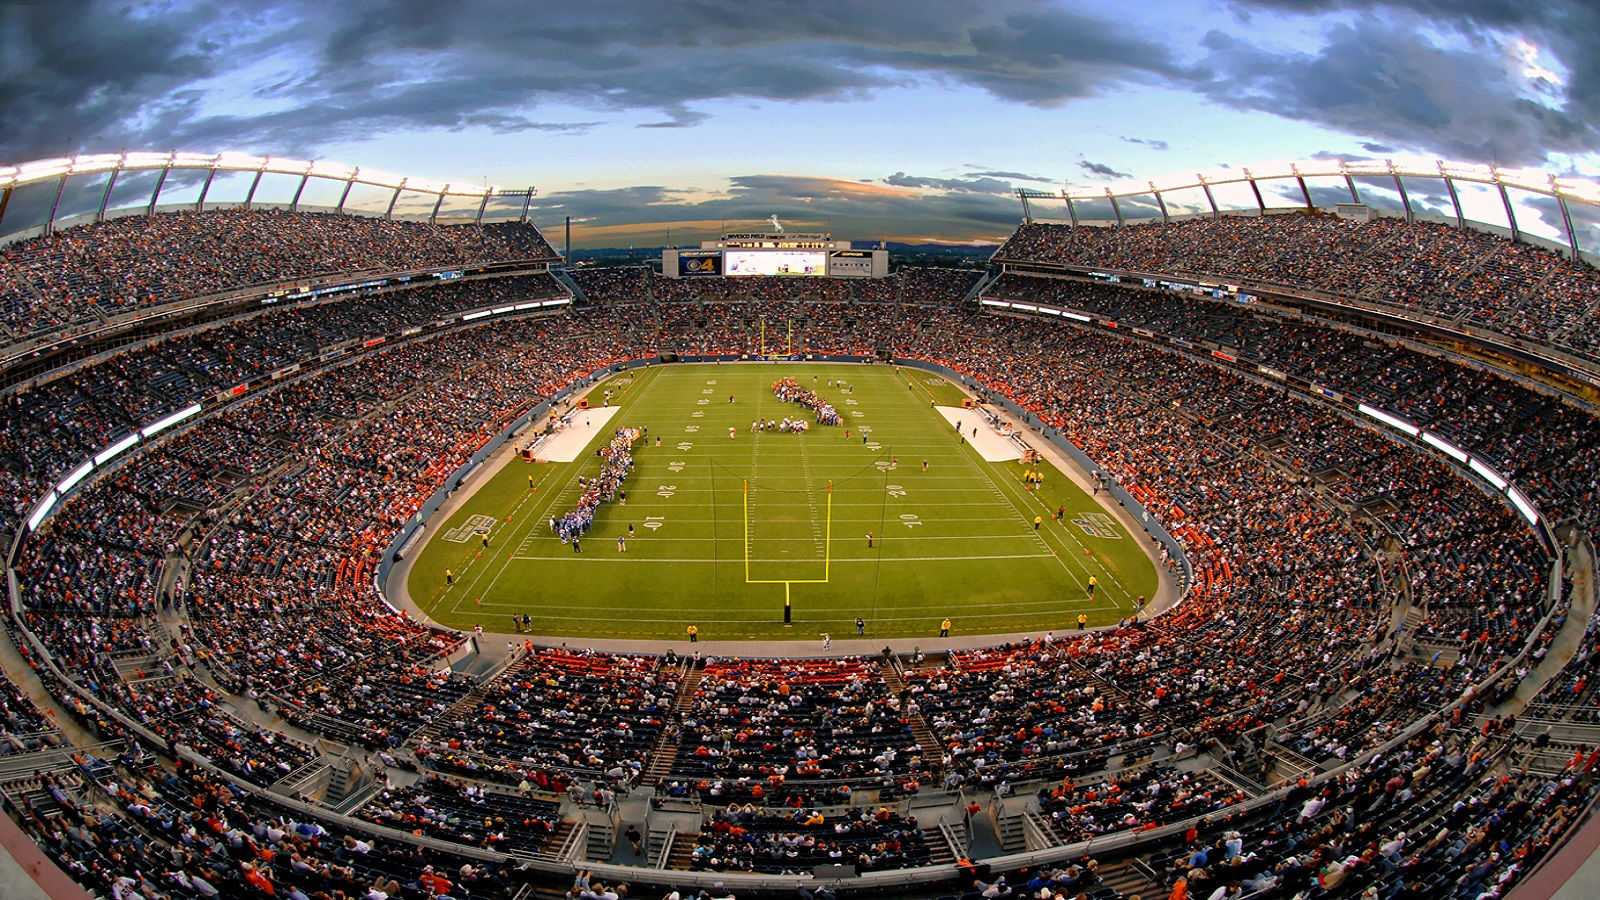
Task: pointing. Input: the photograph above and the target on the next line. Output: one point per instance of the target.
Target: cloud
(1013, 176)
(1334, 155)
(1585, 219)
(1375, 147)
(1101, 170)
(981, 185)
(1466, 95)
(679, 118)
(299, 75)
(851, 210)
(69, 79)
(1148, 142)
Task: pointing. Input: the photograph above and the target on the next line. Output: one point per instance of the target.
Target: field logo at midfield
(1098, 525)
(473, 526)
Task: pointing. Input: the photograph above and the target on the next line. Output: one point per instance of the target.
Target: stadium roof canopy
(1361, 180)
(203, 170)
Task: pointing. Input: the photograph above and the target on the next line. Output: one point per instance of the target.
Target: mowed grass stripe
(936, 551)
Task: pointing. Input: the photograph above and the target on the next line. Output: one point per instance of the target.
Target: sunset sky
(908, 121)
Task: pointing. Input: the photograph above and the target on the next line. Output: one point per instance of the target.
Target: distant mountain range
(899, 254)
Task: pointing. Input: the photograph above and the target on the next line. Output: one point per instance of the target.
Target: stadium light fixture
(75, 476)
(1487, 474)
(192, 160)
(111, 452)
(336, 171)
(1583, 191)
(42, 510)
(379, 178)
(1525, 508)
(43, 170)
(239, 162)
(95, 162)
(143, 160)
(1444, 446)
(169, 421)
(425, 186)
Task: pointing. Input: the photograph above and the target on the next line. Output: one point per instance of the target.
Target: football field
(726, 528)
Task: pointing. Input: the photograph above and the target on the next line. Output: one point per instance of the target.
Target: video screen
(696, 263)
(774, 262)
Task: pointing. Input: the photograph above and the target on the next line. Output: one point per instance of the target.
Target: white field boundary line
(767, 620)
(630, 558)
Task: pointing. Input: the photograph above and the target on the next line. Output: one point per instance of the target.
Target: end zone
(990, 444)
(566, 443)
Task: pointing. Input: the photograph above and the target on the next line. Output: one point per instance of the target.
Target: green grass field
(725, 528)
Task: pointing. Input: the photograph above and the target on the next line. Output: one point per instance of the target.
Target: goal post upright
(788, 583)
(827, 537)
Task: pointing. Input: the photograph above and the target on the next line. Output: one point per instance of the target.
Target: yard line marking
(588, 558)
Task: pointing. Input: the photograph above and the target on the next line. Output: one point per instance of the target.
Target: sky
(667, 121)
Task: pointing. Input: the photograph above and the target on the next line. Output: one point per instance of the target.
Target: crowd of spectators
(748, 839)
(116, 266)
(466, 812)
(1427, 269)
(1135, 800)
(274, 513)
(726, 315)
(1438, 817)
(126, 829)
(786, 723)
(558, 716)
(23, 726)
(1538, 439)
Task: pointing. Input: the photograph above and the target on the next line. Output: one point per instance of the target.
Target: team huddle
(789, 392)
(618, 457)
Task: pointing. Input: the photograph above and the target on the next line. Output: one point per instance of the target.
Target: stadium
(1357, 493)
(932, 535)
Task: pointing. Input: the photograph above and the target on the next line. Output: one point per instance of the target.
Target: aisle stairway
(665, 752)
(1129, 878)
(927, 741)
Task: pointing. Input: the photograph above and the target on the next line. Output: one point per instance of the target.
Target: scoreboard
(776, 254)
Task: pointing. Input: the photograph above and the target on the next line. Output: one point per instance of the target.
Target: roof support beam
(105, 198)
(55, 205)
(155, 195)
(1511, 214)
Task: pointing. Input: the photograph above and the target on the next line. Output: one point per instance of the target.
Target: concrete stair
(927, 741)
(1131, 877)
(665, 753)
